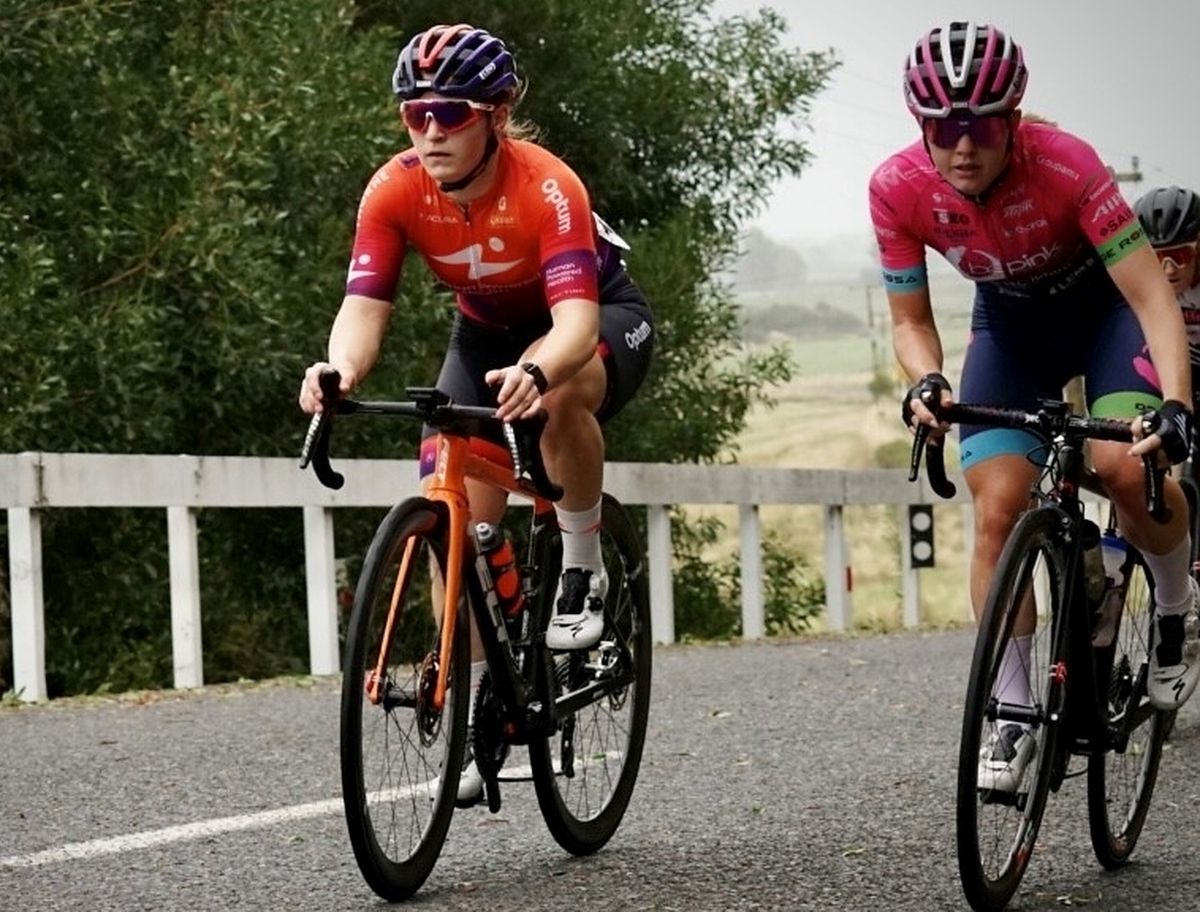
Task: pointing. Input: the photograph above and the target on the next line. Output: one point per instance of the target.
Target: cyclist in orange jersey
(547, 316)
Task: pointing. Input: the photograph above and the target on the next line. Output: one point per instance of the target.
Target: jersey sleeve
(567, 238)
(1105, 217)
(379, 235)
(901, 252)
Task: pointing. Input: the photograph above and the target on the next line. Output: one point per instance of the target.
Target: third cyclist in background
(1171, 217)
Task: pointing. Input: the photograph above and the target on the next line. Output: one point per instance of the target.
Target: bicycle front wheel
(585, 772)
(998, 813)
(401, 754)
(1121, 779)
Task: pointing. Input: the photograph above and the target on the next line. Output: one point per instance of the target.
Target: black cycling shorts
(626, 344)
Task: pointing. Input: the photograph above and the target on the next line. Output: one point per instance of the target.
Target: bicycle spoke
(1007, 752)
(396, 753)
(602, 739)
(1121, 780)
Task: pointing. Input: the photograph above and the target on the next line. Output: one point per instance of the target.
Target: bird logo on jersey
(471, 256)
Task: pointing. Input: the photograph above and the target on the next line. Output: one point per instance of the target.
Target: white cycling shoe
(579, 609)
(470, 782)
(1003, 759)
(1175, 656)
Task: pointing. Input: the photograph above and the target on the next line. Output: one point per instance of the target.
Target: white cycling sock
(1172, 591)
(580, 537)
(1012, 681)
(477, 670)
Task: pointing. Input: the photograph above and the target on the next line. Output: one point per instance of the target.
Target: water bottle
(1113, 551)
(502, 563)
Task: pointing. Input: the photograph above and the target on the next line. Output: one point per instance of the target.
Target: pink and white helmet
(964, 68)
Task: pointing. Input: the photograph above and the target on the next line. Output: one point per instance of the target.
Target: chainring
(487, 741)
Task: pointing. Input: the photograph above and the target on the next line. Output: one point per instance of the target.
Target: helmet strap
(488, 151)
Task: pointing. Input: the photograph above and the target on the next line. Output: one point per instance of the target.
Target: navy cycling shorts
(1028, 356)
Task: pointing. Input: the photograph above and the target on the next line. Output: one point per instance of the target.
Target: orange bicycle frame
(457, 458)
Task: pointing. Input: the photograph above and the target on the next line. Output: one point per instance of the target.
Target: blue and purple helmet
(458, 61)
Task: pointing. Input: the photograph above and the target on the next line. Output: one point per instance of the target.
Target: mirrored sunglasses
(451, 114)
(1180, 256)
(988, 132)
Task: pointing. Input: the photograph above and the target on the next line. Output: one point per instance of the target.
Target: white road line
(75, 851)
(152, 838)
(202, 829)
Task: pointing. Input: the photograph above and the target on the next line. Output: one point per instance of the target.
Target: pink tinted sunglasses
(450, 114)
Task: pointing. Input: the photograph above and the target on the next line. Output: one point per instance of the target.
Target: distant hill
(766, 265)
(769, 264)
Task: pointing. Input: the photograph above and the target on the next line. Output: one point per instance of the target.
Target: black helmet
(1171, 216)
(459, 61)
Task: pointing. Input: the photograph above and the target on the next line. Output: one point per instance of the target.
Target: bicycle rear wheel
(1121, 780)
(401, 756)
(997, 829)
(585, 772)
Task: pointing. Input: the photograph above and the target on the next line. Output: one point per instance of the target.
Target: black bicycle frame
(522, 672)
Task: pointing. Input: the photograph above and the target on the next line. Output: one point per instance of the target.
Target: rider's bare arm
(1141, 281)
(354, 343)
(916, 340)
(571, 341)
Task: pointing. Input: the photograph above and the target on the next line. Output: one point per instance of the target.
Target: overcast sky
(1125, 76)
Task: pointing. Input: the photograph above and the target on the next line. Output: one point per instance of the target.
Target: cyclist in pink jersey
(547, 316)
(1065, 285)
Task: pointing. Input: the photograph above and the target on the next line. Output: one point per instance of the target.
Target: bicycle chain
(487, 740)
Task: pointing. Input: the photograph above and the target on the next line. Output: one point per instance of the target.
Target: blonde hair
(1031, 118)
(522, 130)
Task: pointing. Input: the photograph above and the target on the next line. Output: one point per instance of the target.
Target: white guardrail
(33, 482)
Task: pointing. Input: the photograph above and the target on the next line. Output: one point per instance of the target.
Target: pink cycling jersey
(1054, 216)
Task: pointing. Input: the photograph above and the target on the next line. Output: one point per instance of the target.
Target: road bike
(404, 710)
(1087, 668)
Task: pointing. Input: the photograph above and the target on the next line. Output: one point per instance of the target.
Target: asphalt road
(813, 774)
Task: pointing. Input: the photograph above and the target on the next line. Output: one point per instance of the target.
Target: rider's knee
(997, 507)
(1123, 478)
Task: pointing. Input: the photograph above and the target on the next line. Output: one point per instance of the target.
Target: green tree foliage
(708, 591)
(177, 192)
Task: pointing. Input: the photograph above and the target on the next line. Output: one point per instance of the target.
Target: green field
(826, 418)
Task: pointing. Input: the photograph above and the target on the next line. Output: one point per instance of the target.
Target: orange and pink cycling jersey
(510, 256)
(1054, 216)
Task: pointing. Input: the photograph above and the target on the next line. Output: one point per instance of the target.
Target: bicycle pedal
(1008, 799)
(492, 788)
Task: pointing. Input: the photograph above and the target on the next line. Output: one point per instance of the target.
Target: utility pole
(1133, 175)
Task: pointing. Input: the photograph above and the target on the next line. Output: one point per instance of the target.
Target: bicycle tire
(996, 831)
(401, 759)
(1120, 785)
(583, 809)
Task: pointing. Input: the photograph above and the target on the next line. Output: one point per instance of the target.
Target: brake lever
(1156, 504)
(1153, 474)
(316, 440)
(935, 460)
